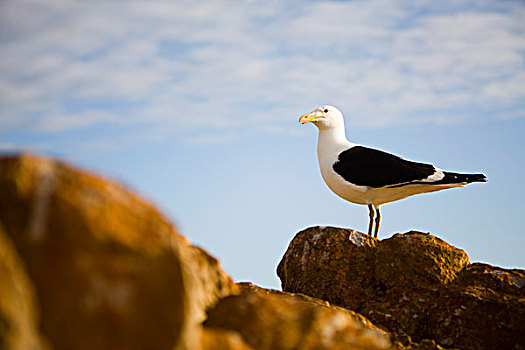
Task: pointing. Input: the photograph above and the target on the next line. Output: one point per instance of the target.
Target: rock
(108, 269)
(509, 282)
(274, 320)
(19, 314)
(246, 287)
(330, 263)
(220, 339)
(426, 344)
(213, 282)
(417, 259)
(483, 309)
(417, 286)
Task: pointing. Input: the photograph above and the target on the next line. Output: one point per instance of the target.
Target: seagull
(371, 177)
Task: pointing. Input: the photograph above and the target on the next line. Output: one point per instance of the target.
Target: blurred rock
(213, 283)
(415, 285)
(269, 319)
(19, 316)
(220, 339)
(110, 272)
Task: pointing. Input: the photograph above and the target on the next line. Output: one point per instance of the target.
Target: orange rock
(213, 283)
(109, 270)
(483, 309)
(19, 314)
(415, 258)
(330, 263)
(509, 282)
(269, 319)
(404, 312)
(220, 339)
(415, 285)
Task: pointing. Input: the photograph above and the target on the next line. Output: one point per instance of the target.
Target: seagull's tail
(455, 178)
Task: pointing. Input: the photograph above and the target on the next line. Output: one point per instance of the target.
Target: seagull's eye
(326, 110)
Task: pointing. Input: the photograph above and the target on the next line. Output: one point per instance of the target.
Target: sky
(194, 105)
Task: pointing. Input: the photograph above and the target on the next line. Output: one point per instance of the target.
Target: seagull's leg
(371, 213)
(378, 222)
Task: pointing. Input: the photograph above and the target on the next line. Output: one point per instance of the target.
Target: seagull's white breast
(328, 153)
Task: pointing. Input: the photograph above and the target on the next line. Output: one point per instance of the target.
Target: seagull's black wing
(370, 167)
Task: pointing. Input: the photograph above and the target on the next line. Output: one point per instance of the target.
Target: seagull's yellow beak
(309, 118)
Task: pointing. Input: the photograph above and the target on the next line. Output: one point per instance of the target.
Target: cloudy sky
(195, 105)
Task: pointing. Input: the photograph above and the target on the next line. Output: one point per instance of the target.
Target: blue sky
(195, 106)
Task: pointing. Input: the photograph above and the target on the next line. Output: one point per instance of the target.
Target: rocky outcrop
(269, 319)
(108, 270)
(414, 285)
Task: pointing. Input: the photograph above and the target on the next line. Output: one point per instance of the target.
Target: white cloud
(59, 122)
(223, 64)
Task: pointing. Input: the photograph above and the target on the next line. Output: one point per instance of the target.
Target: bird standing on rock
(372, 177)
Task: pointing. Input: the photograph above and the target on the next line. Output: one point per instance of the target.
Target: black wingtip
(476, 178)
(452, 178)
(468, 178)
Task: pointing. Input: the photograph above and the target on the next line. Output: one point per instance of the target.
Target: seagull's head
(324, 117)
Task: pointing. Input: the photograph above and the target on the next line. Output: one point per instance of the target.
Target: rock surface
(220, 339)
(341, 261)
(417, 259)
(414, 285)
(213, 283)
(19, 316)
(269, 319)
(483, 309)
(109, 271)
